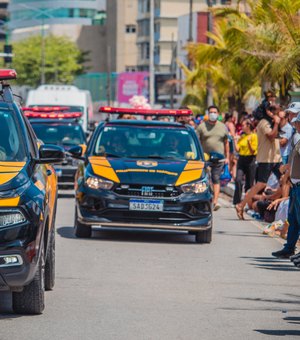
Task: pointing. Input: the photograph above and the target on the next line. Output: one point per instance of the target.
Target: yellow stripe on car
(13, 164)
(191, 172)
(6, 177)
(99, 161)
(194, 165)
(9, 202)
(106, 172)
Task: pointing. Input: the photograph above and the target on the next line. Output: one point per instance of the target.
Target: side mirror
(77, 152)
(50, 154)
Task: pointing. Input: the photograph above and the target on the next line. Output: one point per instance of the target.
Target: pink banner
(132, 83)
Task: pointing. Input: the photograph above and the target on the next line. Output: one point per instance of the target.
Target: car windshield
(12, 143)
(65, 134)
(146, 142)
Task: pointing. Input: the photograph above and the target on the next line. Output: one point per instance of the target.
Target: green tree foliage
(63, 60)
(248, 50)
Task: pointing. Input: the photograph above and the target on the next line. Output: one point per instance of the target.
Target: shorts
(216, 170)
(264, 171)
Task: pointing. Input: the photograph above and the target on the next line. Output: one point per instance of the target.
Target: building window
(130, 68)
(130, 29)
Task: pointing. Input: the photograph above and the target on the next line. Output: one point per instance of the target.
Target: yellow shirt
(243, 145)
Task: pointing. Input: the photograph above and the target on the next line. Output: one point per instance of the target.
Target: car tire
(32, 299)
(50, 262)
(204, 236)
(81, 230)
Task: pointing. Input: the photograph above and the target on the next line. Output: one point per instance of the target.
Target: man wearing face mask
(213, 136)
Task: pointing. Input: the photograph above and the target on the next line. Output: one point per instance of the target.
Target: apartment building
(122, 34)
(83, 21)
(3, 19)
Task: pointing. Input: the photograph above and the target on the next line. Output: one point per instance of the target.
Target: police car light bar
(46, 108)
(64, 115)
(6, 74)
(145, 112)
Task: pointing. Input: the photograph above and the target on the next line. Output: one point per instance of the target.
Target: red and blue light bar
(7, 74)
(145, 112)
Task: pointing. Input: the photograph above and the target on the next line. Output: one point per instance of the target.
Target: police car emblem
(146, 164)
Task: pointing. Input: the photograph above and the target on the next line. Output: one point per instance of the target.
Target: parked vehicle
(28, 198)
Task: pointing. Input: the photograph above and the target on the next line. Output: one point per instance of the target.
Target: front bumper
(15, 277)
(187, 212)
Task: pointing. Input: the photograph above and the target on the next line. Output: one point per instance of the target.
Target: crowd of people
(262, 153)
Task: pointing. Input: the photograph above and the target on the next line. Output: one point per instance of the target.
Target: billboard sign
(131, 84)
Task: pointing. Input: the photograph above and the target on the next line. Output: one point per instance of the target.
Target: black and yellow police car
(143, 173)
(56, 125)
(28, 195)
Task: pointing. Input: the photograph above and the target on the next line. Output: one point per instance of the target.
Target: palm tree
(249, 50)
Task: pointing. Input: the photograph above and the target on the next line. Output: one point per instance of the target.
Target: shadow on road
(129, 235)
(273, 332)
(65, 194)
(242, 234)
(6, 311)
(271, 263)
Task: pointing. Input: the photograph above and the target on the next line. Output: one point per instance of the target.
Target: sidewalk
(228, 191)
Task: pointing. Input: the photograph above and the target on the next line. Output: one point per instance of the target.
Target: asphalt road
(160, 285)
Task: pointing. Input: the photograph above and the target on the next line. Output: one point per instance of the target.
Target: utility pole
(43, 52)
(209, 95)
(108, 84)
(151, 56)
(172, 71)
(190, 39)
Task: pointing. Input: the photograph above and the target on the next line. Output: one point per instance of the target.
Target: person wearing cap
(292, 110)
(294, 202)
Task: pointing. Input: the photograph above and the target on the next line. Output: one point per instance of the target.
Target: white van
(63, 95)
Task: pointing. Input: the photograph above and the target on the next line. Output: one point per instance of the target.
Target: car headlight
(99, 183)
(11, 218)
(196, 187)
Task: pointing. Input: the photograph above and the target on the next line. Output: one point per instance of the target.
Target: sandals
(240, 212)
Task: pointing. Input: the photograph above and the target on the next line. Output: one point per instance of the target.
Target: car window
(67, 135)
(12, 142)
(146, 142)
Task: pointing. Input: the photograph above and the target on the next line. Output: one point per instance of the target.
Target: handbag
(225, 177)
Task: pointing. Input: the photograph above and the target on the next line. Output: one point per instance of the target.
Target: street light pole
(43, 80)
(209, 95)
(151, 55)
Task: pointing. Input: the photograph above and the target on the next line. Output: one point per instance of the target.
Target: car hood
(145, 171)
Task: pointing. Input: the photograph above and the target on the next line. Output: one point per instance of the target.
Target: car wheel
(50, 263)
(82, 230)
(32, 299)
(204, 236)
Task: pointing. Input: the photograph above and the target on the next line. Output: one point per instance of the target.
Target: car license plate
(146, 205)
(58, 172)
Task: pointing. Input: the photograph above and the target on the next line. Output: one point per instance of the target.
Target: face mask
(213, 117)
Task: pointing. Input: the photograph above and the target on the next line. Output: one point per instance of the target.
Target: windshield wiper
(109, 155)
(148, 157)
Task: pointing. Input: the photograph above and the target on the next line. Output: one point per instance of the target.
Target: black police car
(28, 195)
(143, 174)
(54, 125)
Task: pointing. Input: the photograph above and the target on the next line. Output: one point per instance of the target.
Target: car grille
(147, 191)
